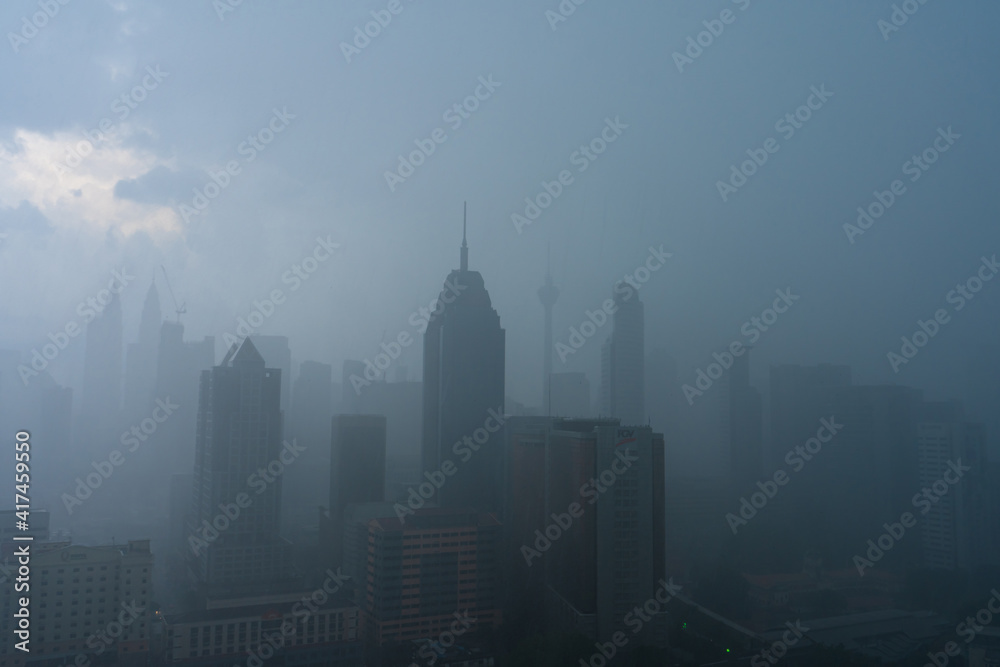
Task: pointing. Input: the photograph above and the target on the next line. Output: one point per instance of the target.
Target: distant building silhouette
(179, 365)
(401, 404)
(547, 294)
(623, 381)
(140, 360)
(954, 527)
(101, 399)
(307, 486)
(571, 395)
(357, 473)
(464, 366)
(277, 354)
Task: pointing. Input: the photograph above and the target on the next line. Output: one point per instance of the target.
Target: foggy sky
(323, 175)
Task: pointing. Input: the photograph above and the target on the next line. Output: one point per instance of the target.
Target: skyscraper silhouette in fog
(464, 362)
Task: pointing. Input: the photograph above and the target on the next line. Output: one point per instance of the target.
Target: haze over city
(696, 227)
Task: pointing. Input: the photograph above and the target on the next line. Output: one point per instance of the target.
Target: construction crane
(181, 309)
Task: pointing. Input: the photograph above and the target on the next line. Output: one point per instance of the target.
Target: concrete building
(424, 571)
(308, 629)
(93, 602)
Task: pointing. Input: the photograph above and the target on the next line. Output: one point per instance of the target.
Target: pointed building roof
(247, 356)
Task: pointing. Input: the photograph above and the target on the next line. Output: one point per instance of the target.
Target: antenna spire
(465, 246)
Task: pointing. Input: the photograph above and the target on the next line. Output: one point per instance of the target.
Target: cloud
(82, 199)
(160, 185)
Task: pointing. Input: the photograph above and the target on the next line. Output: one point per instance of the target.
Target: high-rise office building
(799, 396)
(357, 473)
(614, 550)
(239, 456)
(547, 294)
(277, 354)
(464, 365)
(623, 379)
(179, 365)
(101, 399)
(400, 402)
(745, 426)
(953, 525)
(570, 395)
(307, 484)
(140, 360)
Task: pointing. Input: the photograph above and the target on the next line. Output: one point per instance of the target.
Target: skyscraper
(101, 399)
(307, 487)
(179, 365)
(951, 527)
(277, 354)
(140, 360)
(613, 550)
(623, 384)
(464, 363)
(570, 395)
(357, 471)
(547, 294)
(237, 457)
(745, 426)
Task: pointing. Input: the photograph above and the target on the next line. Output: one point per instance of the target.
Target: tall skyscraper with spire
(623, 383)
(547, 294)
(464, 364)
